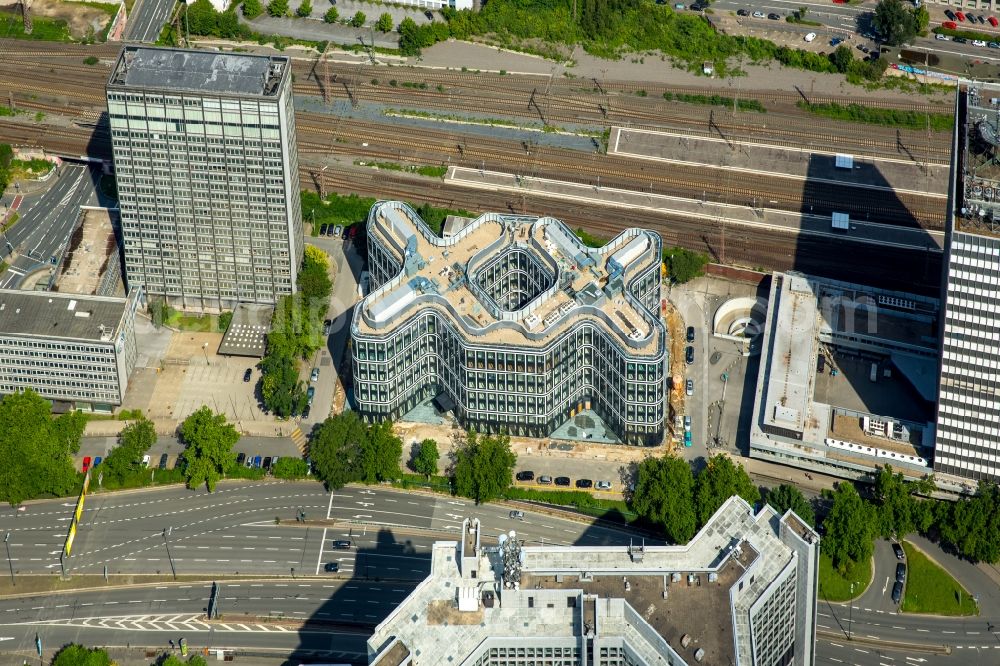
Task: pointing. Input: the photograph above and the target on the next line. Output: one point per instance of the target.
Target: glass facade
(208, 188)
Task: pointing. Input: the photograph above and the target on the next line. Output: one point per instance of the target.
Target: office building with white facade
(968, 420)
(513, 324)
(207, 171)
(742, 592)
(72, 349)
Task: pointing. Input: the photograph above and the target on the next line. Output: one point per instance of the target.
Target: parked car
(341, 544)
(978, 42)
(86, 464)
(163, 461)
(274, 460)
(267, 462)
(774, 17)
(306, 411)
(689, 387)
(950, 14)
(687, 422)
(603, 485)
(562, 480)
(689, 355)
(525, 476)
(689, 335)
(516, 515)
(322, 229)
(327, 326)
(584, 483)
(338, 230)
(959, 40)
(429, 15)
(145, 460)
(835, 41)
(898, 550)
(810, 37)
(544, 479)
(331, 567)
(314, 375)
(687, 438)
(97, 461)
(900, 573)
(310, 394)
(943, 38)
(994, 45)
(247, 375)
(743, 12)
(257, 460)
(980, 18)
(897, 592)
(993, 21)
(758, 14)
(960, 16)
(241, 459)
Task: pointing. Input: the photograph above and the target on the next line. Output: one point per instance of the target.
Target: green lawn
(931, 589)
(835, 587)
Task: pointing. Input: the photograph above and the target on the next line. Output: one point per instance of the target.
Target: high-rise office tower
(207, 173)
(968, 420)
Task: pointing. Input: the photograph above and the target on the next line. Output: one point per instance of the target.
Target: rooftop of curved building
(447, 275)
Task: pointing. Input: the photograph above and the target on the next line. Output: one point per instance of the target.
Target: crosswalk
(185, 622)
(301, 443)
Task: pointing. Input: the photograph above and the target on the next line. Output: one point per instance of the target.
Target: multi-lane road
(47, 220)
(147, 20)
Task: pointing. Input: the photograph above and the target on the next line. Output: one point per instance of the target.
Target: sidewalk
(111, 428)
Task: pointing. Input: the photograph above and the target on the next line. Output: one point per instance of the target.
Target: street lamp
(850, 620)
(204, 349)
(6, 542)
(166, 544)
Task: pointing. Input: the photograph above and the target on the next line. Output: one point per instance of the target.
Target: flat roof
(55, 315)
(444, 274)
(710, 583)
(185, 70)
(791, 355)
(91, 249)
(247, 332)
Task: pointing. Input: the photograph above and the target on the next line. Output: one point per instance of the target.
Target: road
(232, 531)
(147, 20)
(47, 220)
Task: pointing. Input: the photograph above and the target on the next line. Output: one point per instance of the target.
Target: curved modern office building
(513, 323)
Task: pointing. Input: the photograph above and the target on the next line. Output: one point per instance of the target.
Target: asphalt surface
(46, 222)
(147, 20)
(233, 531)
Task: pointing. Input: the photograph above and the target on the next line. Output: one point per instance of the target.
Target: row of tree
(79, 655)
(296, 334)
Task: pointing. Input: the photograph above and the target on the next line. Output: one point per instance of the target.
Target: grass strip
(931, 589)
(856, 113)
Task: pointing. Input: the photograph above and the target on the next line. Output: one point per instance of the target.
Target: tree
(895, 21)
(277, 8)
(201, 17)
(304, 10)
(252, 9)
(684, 265)
(35, 449)
(174, 660)
(895, 503)
(335, 449)
(290, 468)
(664, 495)
(78, 655)
(358, 19)
(134, 440)
(384, 23)
(482, 466)
(785, 497)
(842, 58)
(314, 278)
(209, 441)
(331, 15)
(850, 527)
(973, 525)
(380, 454)
(409, 37)
(426, 460)
(720, 480)
(922, 17)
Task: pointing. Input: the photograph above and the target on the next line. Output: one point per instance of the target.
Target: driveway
(878, 596)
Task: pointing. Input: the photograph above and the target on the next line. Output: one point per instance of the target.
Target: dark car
(743, 12)
(241, 459)
(429, 14)
(960, 40)
(584, 483)
(900, 573)
(341, 544)
(774, 17)
(331, 567)
(322, 229)
(310, 394)
(562, 480)
(163, 461)
(327, 326)
(898, 550)
(545, 479)
(950, 14)
(247, 375)
(305, 412)
(689, 355)
(690, 334)
(981, 18)
(267, 462)
(897, 592)
(525, 476)
(697, 7)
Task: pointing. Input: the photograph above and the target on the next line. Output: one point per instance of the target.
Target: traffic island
(932, 590)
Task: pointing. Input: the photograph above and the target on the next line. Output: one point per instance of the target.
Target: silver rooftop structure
(55, 315)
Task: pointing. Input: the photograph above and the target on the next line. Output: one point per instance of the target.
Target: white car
(978, 42)
(603, 485)
(145, 460)
(811, 36)
(758, 14)
(943, 38)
